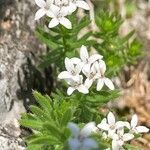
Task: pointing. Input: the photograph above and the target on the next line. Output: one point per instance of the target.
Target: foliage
(118, 51)
(63, 42)
(48, 121)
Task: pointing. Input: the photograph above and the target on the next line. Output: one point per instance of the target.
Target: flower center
(112, 127)
(92, 75)
(47, 7)
(81, 138)
(61, 3)
(87, 60)
(73, 72)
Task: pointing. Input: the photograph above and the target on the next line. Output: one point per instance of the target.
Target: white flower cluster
(92, 67)
(112, 129)
(115, 130)
(58, 10)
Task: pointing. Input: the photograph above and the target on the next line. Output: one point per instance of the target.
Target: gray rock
(17, 42)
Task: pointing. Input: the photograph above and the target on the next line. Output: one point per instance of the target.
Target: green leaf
(34, 124)
(44, 101)
(52, 129)
(52, 57)
(66, 117)
(35, 147)
(44, 139)
(42, 115)
(102, 97)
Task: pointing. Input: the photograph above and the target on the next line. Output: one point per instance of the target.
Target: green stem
(63, 39)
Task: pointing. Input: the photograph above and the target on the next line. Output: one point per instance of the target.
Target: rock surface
(17, 45)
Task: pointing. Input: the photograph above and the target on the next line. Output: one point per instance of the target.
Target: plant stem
(63, 39)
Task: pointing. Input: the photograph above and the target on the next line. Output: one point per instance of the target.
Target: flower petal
(88, 129)
(70, 90)
(102, 67)
(89, 144)
(115, 145)
(142, 129)
(53, 23)
(40, 3)
(128, 137)
(111, 118)
(109, 83)
(71, 8)
(94, 58)
(93, 68)
(74, 144)
(82, 4)
(69, 65)
(55, 9)
(134, 121)
(75, 130)
(83, 89)
(78, 68)
(64, 75)
(120, 124)
(50, 14)
(86, 69)
(49, 2)
(75, 60)
(65, 22)
(39, 14)
(103, 125)
(88, 83)
(100, 84)
(84, 53)
(111, 133)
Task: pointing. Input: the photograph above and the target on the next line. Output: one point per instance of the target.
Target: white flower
(77, 84)
(101, 68)
(119, 138)
(91, 75)
(110, 124)
(88, 60)
(72, 69)
(134, 128)
(59, 17)
(80, 138)
(78, 3)
(45, 8)
(58, 10)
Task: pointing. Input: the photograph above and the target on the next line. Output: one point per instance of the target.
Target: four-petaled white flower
(73, 69)
(45, 8)
(134, 128)
(110, 124)
(58, 10)
(81, 137)
(119, 138)
(88, 60)
(77, 3)
(77, 84)
(101, 69)
(59, 17)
